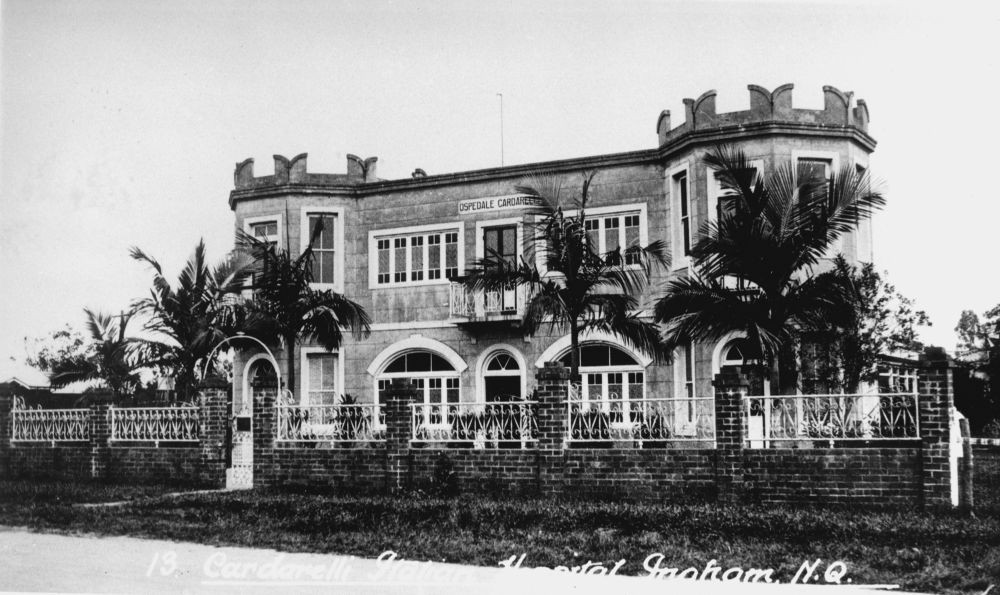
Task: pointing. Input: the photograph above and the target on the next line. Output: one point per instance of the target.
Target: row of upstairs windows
(417, 257)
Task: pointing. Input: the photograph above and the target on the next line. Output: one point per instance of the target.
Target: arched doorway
(258, 375)
(501, 375)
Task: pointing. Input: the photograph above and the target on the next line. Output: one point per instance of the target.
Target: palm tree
(577, 288)
(111, 359)
(285, 308)
(196, 314)
(753, 268)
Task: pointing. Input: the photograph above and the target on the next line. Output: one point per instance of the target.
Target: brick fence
(200, 463)
(915, 474)
(905, 474)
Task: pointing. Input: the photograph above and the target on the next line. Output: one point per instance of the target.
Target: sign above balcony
(499, 203)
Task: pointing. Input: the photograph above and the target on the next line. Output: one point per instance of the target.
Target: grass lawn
(940, 552)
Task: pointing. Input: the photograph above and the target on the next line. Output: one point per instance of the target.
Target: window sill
(405, 284)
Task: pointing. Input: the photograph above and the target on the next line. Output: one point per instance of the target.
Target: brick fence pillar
(264, 426)
(213, 402)
(398, 433)
(552, 414)
(100, 434)
(934, 385)
(730, 387)
(6, 429)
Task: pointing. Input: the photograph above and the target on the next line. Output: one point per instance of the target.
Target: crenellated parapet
(766, 107)
(294, 171)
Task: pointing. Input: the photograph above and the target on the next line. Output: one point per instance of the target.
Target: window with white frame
(721, 201)
(265, 231)
(818, 166)
(321, 378)
(435, 379)
(684, 220)
(613, 232)
(813, 168)
(611, 377)
(416, 257)
(322, 227)
(685, 379)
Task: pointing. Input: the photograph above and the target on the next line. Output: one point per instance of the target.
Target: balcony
(469, 306)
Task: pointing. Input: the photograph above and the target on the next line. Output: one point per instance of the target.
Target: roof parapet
(295, 171)
(766, 106)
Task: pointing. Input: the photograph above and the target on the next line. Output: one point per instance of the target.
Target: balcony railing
(155, 424)
(340, 425)
(641, 422)
(484, 305)
(49, 425)
(822, 420)
(501, 424)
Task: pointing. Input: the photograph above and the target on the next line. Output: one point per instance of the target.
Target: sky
(121, 121)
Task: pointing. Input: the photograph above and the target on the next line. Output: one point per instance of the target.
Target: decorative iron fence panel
(640, 422)
(467, 303)
(155, 424)
(772, 421)
(340, 425)
(49, 425)
(499, 424)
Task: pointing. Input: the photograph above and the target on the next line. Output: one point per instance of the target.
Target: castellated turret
(293, 171)
(766, 107)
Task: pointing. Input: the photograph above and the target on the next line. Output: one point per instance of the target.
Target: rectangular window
(384, 261)
(631, 239)
(322, 379)
(807, 168)
(451, 255)
(434, 256)
(399, 271)
(323, 268)
(689, 379)
(416, 258)
(593, 229)
(609, 233)
(681, 190)
(265, 231)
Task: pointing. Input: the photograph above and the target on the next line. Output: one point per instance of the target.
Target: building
(395, 247)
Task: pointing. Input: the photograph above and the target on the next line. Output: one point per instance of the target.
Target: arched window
(610, 376)
(436, 380)
(502, 376)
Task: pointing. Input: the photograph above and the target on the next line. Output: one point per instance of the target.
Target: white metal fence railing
(641, 421)
(341, 425)
(155, 424)
(769, 421)
(467, 303)
(500, 424)
(49, 425)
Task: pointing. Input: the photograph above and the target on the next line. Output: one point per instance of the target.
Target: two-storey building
(397, 247)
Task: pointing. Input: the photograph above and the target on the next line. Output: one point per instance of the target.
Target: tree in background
(112, 357)
(978, 394)
(189, 319)
(53, 351)
(876, 320)
(576, 288)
